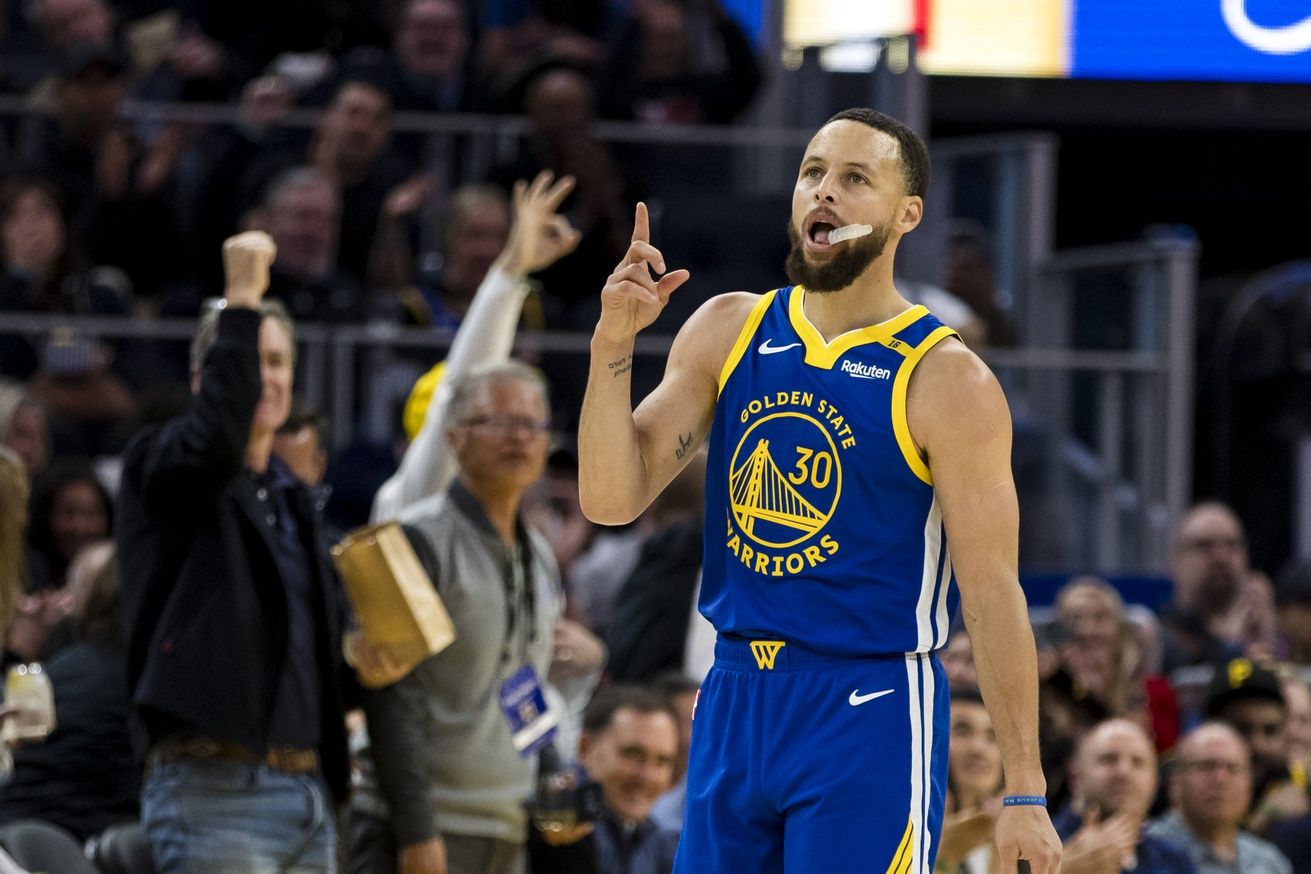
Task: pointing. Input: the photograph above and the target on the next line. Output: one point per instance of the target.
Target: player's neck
(870, 300)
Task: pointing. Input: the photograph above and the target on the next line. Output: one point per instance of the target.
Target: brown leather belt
(291, 760)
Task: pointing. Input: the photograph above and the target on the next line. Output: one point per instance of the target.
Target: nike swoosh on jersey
(857, 699)
(766, 349)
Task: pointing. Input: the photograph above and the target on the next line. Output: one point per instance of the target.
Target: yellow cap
(416, 405)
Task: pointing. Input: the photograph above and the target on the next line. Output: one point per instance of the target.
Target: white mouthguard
(848, 232)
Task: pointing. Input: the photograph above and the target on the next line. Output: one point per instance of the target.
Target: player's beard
(851, 259)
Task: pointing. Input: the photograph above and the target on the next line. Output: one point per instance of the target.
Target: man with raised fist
(232, 614)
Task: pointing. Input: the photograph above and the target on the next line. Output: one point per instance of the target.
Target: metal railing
(1114, 435)
(1103, 431)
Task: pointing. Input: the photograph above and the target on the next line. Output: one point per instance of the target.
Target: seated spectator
(429, 69)
(56, 26)
(1210, 789)
(681, 692)
(1248, 697)
(23, 427)
(301, 212)
(1114, 781)
(629, 747)
(1099, 652)
(43, 273)
(350, 145)
(83, 776)
(974, 785)
(1208, 564)
(70, 510)
(224, 159)
(1163, 718)
(653, 75)
(473, 234)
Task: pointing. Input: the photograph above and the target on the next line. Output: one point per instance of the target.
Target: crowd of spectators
(1173, 742)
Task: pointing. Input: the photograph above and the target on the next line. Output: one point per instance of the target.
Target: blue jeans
(222, 817)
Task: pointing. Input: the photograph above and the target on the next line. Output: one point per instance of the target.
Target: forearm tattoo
(684, 445)
(622, 366)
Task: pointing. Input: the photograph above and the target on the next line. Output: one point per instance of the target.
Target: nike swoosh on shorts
(857, 699)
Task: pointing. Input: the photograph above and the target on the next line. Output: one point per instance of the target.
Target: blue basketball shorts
(803, 763)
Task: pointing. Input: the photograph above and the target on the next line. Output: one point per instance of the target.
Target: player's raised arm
(624, 457)
(959, 416)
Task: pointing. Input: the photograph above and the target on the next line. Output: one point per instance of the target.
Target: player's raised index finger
(641, 225)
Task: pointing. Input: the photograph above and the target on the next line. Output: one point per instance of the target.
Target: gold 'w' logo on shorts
(765, 651)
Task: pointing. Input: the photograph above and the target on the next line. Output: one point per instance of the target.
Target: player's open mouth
(819, 232)
(818, 226)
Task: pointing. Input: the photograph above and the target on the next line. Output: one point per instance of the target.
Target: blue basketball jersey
(822, 528)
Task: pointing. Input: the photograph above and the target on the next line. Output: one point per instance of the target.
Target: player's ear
(912, 210)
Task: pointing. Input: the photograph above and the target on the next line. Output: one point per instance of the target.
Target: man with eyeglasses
(1210, 789)
(1248, 696)
(454, 743)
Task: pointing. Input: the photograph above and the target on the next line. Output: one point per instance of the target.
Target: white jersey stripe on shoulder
(929, 579)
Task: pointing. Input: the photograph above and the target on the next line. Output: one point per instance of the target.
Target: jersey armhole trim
(744, 336)
(900, 421)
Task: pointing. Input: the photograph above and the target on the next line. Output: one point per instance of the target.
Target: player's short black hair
(914, 151)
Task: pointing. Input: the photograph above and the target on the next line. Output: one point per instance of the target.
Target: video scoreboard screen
(1203, 40)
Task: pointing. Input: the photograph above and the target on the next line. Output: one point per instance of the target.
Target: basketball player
(852, 439)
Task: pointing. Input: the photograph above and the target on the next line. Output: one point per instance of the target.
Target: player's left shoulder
(954, 393)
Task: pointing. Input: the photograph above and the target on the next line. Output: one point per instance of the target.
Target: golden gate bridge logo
(762, 492)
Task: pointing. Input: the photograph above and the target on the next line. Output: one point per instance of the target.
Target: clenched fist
(246, 261)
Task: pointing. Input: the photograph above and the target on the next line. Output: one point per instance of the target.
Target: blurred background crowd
(1156, 372)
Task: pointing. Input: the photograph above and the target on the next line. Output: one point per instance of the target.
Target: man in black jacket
(232, 613)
